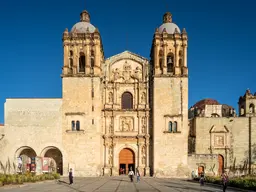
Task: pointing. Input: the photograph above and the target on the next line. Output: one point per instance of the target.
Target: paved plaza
(115, 184)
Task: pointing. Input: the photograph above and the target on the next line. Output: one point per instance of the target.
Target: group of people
(224, 178)
(131, 175)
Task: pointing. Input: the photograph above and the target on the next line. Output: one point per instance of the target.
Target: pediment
(219, 129)
(126, 67)
(126, 55)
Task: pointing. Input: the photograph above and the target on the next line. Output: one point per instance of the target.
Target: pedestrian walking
(131, 174)
(201, 180)
(70, 176)
(138, 175)
(224, 181)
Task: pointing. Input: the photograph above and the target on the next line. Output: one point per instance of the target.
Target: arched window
(78, 125)
(170, 126)
(242, 111)
(252, 108)
(82, 63)
(175, 126)
(170, 63)
(73, 126)
(161, 59)
(127, 100)
(70, 53)
(180, 63)
(70, 63)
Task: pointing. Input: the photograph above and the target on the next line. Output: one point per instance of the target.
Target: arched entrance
(221, 164)
(26, 159)
(200, 170)
(56, 163)
(126, 161)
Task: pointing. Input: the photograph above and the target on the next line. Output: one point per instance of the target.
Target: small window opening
(73, 126)
(78, 125)
(82, 63)
(170, 126)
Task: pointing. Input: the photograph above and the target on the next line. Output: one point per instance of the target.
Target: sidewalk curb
(26, 184)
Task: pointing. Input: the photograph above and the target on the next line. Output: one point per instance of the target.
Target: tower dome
(168, 25)
(84, 26)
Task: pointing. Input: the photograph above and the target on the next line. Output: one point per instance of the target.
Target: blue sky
(221, 52)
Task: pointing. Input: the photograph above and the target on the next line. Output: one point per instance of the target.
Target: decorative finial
(184, 31)
(85, 16)
(167, 18)
(157, 30)
(164, 30)
(96, 30)
(176, 30)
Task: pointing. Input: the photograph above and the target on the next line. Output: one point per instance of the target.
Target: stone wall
(31, 124)
(170, 148)
(209, 162)
(228, 137)
(84, 147)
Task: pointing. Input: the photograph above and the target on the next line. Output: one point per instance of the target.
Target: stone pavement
(115, 184)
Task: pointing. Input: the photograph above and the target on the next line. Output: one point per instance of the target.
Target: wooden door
(200, 170)
(126, 156)
(221, 164)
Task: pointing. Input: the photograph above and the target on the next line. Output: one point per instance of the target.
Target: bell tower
(81, 103)
(169, 103)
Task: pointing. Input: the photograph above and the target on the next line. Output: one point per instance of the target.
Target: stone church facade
(117, 113)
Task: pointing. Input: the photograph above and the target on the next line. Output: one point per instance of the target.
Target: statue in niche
(110, 151)
(111, 126)
(110, 97)
(110, 160)
(143, 123)
(126, 124)
(143, 129)
(143, 160)
(143, 97)
(143, 150)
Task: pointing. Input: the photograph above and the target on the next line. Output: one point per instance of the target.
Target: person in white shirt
(131, 174)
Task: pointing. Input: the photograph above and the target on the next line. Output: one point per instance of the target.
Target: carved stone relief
(143, 154)
(143, 124)
(110, 97)
(111, 126)
(126, 124)
(126, 74)
(218, 141)
(143, 98)
(110, 156)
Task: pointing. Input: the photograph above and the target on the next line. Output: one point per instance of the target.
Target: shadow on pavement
(66, 184)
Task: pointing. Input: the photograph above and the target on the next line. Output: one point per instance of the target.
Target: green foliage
(7, 179)
(248, 182)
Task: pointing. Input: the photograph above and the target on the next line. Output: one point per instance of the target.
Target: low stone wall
(209, 162)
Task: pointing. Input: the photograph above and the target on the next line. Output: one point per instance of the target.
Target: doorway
(126, 161)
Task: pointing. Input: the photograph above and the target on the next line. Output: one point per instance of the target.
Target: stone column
(165, 59)
(185, 55)
(97, 58)
(65, 59)
(156, 59)
(107, 170)
(87, 58)
(115, 167)
(75, 60)
(177, 68)
(147, 169)
(139, 124)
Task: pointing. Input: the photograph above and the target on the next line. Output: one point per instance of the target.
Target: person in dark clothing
(202, 179)
(70, 176)
(224, 181)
